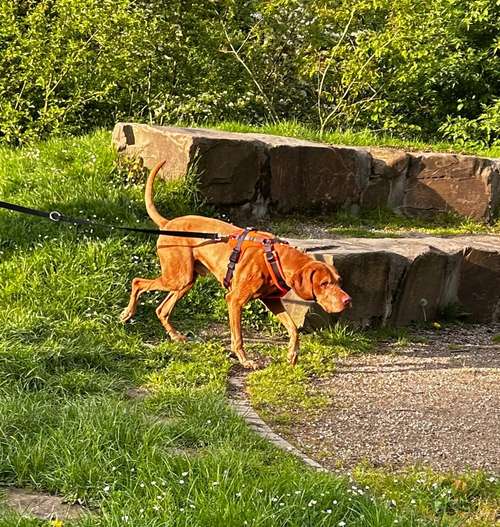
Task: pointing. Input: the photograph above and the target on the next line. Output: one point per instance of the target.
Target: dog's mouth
(335, 309)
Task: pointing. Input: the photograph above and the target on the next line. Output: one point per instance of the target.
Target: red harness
(239, 241)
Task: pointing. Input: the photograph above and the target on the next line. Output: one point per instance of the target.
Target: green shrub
(411, 69)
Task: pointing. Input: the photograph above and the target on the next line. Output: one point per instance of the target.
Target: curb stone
(238, 400)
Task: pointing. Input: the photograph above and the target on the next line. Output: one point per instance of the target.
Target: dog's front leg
(276, 307)
(235, 306)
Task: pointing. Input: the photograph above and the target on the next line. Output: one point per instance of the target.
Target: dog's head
(321, 282)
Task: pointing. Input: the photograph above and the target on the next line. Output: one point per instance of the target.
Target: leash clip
(55, 215)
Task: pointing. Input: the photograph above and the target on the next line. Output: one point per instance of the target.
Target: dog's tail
(148, 196)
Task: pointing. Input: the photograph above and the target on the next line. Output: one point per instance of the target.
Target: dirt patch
(41, 505)
(435, 403)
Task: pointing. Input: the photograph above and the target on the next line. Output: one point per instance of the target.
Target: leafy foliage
(412, 68)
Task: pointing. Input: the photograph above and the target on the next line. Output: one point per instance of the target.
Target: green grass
(280, 392)
(379, 223)
(354, 138)
(180, 457)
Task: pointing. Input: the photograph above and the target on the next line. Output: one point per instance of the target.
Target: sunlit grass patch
(280, 390)
(431, 494)
(361, 138)
(382, 223)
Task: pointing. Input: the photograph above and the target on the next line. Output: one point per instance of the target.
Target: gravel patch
(435, 402)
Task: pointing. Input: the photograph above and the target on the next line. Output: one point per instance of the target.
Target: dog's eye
(324, 284)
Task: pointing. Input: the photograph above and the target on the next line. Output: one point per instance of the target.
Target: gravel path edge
(238, 400)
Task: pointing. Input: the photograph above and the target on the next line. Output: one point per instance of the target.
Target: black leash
(57, 217)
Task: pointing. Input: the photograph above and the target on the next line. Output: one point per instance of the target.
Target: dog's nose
(346, 300)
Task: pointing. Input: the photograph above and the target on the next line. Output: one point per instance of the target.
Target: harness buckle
(270, 257)
(235, 256)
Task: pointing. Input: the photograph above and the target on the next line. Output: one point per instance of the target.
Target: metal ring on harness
(55, 215)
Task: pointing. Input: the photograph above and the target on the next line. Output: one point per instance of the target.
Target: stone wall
(397, 281)
(254, 174)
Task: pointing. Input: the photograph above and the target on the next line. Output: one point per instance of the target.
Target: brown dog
(183, 259)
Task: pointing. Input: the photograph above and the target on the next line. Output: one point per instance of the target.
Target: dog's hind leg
(276, 307)
(139, 286)
(164, 310)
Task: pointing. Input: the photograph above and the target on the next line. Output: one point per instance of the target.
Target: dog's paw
(250, 365)
(292, 359)
(178, 337)
(125, 316)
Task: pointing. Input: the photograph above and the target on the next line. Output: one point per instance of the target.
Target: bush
(425, 68)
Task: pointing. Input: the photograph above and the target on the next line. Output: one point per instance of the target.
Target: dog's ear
(302, 280)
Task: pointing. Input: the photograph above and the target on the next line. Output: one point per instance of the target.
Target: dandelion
(56, 523)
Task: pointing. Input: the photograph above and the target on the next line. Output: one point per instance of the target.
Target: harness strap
(235, 256)
(270, 257)
(274, 267)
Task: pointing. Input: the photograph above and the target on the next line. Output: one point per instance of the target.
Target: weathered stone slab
(440, 183)
(397, 281)
(387, 181)
(317, 176)
(479, 283)
(263, 171)
(229, 165)
(254, 174)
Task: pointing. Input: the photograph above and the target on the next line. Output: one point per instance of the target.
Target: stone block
(398, 281)
(229, 166)
(387, 181)
(439, 183)
(479, 284)
(308, 175)
(254, 174)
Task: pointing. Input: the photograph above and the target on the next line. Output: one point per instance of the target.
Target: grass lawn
(356, 138)
(180, 457)
(379, 223)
